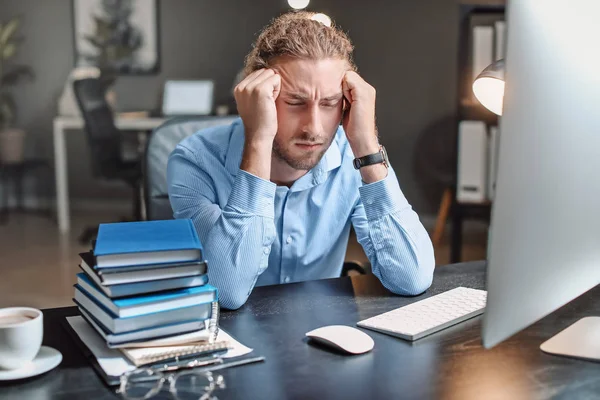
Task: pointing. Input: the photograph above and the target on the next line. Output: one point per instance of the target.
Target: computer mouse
(343, 338)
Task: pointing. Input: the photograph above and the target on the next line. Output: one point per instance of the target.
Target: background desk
(63, 124)
(448, 365)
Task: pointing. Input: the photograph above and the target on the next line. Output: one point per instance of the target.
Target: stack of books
(144, 282)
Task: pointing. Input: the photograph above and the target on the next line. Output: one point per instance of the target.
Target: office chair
(104, 140)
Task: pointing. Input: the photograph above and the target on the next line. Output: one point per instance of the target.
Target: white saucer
(46, 359)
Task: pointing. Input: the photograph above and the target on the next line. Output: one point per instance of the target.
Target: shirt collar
(331, 160)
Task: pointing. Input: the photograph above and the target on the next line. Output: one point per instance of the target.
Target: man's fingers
(354, 86)
(347, 92)
(274, 82)
(250, 78)
(258, 81)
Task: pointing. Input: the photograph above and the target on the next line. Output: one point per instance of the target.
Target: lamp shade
(489, 87)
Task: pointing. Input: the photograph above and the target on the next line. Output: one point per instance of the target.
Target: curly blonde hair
(295, 34)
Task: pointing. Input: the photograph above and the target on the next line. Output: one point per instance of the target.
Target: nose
(312, 121)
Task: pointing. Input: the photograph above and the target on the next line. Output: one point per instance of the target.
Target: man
(273, 195)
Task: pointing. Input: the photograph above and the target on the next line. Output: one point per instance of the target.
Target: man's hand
(255, 97)
(359, 119)
(359, 123)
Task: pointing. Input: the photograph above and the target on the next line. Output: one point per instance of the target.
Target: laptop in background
(187, 98)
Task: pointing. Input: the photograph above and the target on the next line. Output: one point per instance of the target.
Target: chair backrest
(161, 143)
(104, 139)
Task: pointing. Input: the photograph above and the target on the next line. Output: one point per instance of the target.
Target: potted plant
(11, 139)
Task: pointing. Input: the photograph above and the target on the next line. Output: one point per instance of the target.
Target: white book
(494, 145)
(472, 162)
(483, 48)
(500, 49)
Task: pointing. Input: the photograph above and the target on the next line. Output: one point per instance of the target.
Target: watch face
(386, 161)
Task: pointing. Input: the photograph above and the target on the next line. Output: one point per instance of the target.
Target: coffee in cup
(21, 333)
(6, 320)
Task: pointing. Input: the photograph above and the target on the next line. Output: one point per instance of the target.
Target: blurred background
(148, 55)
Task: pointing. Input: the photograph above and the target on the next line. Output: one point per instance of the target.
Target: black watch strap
(376, 158)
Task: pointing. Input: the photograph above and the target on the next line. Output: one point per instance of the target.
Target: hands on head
(256, 95)
(256, 98)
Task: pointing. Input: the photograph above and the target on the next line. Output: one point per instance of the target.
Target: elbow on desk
(423, 276)
(421, 285)
(232, 299)
(412, 284)
(414, 287)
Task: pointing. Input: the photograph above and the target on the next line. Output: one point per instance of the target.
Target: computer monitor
(545, 228)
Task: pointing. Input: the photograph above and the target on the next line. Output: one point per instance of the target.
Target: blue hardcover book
(117, 325)
(149, 303)
(143, 287)
(147, 242)
(139, 273)
(122, 339)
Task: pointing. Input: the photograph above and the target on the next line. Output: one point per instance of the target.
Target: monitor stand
(580, 340)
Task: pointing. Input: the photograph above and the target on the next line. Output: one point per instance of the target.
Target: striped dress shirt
(257, 233)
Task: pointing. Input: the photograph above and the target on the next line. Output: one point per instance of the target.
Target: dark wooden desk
(448, 365)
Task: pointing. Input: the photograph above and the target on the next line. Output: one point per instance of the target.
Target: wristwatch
(380, 157)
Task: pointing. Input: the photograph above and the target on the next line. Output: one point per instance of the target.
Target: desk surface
(448, 365)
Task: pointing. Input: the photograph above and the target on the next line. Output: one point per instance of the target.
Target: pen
(188, 364)
(234, 363)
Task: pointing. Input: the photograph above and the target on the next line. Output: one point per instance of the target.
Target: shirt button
(287, 279)
(370, 201)
(289, 240)
(267, 250)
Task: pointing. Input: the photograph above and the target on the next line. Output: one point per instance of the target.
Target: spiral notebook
(153, 355)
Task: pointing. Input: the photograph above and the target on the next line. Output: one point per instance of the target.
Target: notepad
(153, 355)
(146, 242)
(110, 363)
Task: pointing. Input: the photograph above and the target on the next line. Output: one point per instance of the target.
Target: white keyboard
(429, 315)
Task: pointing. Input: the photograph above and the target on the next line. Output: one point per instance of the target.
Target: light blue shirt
(257, 233)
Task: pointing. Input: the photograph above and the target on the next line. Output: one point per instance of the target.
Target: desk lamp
(489, 87)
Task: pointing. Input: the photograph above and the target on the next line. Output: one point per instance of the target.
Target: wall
(406, 49)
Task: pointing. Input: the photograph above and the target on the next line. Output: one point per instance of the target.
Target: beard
(306, 161)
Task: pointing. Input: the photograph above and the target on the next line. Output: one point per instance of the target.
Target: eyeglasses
(191, 384)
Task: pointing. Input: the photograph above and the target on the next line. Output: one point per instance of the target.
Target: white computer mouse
(344, 338)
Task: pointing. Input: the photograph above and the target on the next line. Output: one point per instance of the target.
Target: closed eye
(331, 105)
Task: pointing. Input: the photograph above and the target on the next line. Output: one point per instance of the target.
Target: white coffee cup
(21, 333)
